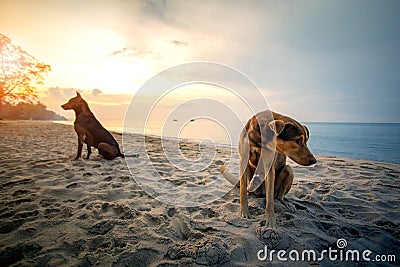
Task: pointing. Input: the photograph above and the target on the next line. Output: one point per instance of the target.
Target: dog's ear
(277, 126)
(78, 94)
(307, 131)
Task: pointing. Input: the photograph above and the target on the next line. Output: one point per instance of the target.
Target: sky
(333, 61)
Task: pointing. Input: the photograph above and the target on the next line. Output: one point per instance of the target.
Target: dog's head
(292, 140)
(74, 102)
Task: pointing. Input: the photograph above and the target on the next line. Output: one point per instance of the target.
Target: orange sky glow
(305, 60)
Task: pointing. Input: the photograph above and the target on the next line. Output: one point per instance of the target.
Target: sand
(58, 212)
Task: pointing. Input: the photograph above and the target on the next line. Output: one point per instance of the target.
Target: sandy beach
(58, 212)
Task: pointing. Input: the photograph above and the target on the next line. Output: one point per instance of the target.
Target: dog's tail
(229, 176)
(255, 182)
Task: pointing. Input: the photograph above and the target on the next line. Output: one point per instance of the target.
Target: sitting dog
(291, 141)
(90, 131)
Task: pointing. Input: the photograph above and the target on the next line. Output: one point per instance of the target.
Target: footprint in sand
(102, 227)
(11, 255)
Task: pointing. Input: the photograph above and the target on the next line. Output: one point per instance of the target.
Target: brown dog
(90, 131)
(291, 140)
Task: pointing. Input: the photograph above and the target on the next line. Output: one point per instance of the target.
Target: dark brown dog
(90, 131)
(291, 141)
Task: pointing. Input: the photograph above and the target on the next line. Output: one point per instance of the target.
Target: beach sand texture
(55, 211)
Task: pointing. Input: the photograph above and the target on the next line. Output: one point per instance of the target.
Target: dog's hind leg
(89, 151)
(283, 183)
(108, 151)
(244, 205)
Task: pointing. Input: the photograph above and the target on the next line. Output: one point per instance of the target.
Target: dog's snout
(312, 161)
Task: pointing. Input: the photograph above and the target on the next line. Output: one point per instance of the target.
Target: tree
(20, 73)
(28, 111)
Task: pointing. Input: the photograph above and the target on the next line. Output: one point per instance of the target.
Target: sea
(369, 141)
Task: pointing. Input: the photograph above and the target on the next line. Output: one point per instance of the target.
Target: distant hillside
(28, 111)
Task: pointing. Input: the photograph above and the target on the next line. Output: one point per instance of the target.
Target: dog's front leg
(80, 146)
(269, 191)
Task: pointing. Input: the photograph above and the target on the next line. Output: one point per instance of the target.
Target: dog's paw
(269, 229)
(270, 223)
(275, 239)
(244, 213)
(268, 233)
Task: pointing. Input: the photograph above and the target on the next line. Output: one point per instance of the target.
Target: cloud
(57, 93)
(162, 31)
(122, 51)
(96, 92)
(134, 52)
(155, 9)
(178, 43)
(300, 48)
(108, 107)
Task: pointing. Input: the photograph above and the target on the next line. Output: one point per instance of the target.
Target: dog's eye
(299, 141)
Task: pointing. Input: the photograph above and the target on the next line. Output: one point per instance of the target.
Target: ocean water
(371, 141)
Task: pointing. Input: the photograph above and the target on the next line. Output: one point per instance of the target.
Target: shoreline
(235, 145)
(59, 212)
